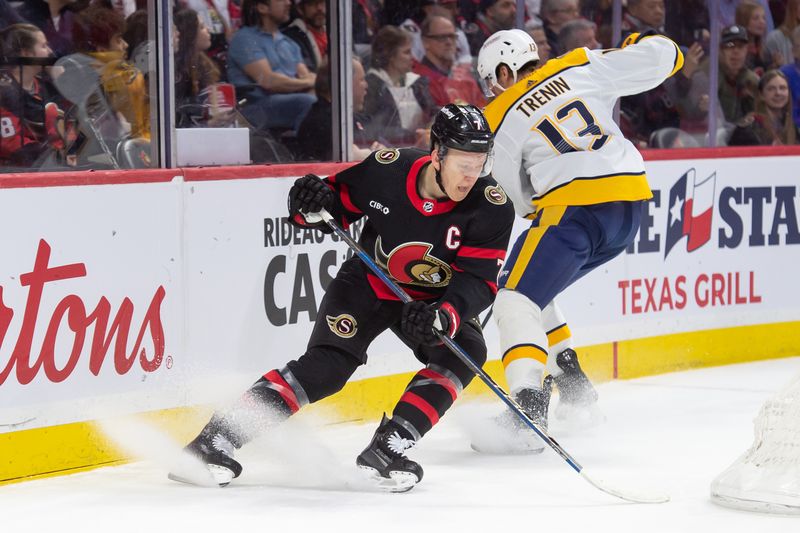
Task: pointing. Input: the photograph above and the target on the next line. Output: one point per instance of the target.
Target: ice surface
(671, 433)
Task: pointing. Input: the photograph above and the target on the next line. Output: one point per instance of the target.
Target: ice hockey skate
(509, 434)
(577, 400)
(214, 452)
(384, 463)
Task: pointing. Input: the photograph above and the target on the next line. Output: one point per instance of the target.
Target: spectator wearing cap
(450, 82)
(556, 13)
(737, 85)
(778, 44)
(267, 68)
(309, 32)
(492, 16)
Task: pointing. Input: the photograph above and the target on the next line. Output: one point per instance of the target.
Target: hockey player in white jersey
(563, 161)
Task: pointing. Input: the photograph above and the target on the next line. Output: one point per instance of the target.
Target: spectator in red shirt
(449, 82)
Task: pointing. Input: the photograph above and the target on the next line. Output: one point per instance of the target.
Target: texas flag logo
(691, 208)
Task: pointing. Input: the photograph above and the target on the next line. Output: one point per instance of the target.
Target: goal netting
(766, 478)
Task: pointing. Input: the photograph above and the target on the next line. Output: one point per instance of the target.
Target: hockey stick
(637, 497)
(486, 318)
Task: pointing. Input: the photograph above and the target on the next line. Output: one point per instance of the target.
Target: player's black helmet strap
(438, 171)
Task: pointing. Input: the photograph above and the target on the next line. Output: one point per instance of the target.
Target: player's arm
(478, 260)
(643, 63)
(508, 170)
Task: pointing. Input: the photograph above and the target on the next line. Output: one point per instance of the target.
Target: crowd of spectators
(75, 90)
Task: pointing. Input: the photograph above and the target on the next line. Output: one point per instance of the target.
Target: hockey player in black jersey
(439, 226)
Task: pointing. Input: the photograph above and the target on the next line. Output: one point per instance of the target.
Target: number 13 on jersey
(554, 131)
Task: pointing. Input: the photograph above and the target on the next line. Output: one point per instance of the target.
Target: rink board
(131, 292)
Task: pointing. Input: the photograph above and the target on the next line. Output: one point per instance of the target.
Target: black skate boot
(577, 395)
(214, 449)
(535, 403)
(573, 385)
(385, 463)
(511, 435)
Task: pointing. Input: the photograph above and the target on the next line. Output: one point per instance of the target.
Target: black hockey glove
(310, 194)
(420, 320)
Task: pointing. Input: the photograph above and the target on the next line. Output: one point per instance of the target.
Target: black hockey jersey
(443, 250)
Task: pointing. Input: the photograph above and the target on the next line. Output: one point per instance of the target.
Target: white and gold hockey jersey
(556, 140)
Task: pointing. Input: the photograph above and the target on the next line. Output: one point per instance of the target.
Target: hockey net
(766, 478)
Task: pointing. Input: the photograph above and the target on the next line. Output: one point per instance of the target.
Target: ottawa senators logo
(495, 194)
(411, 263)
(387, 156)
(343, 326)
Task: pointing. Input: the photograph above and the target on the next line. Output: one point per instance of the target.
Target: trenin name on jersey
(536, 99)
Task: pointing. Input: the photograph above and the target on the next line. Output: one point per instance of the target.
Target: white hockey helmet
(513, 48)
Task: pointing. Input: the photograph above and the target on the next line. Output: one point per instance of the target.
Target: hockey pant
(562, 245)
(349, 319)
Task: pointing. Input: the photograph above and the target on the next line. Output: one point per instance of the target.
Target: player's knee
(513, 311)
(519, 320)
(470, 339)
(477, 351)
(514, 306)
(323, 371)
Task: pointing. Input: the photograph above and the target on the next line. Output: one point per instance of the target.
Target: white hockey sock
(559, 337)
(522, 339)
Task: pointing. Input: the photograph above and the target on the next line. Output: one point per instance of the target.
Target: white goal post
(766, 478)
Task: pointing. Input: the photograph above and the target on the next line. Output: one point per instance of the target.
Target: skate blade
(505, 448)
(396, 482)
(214, 476)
